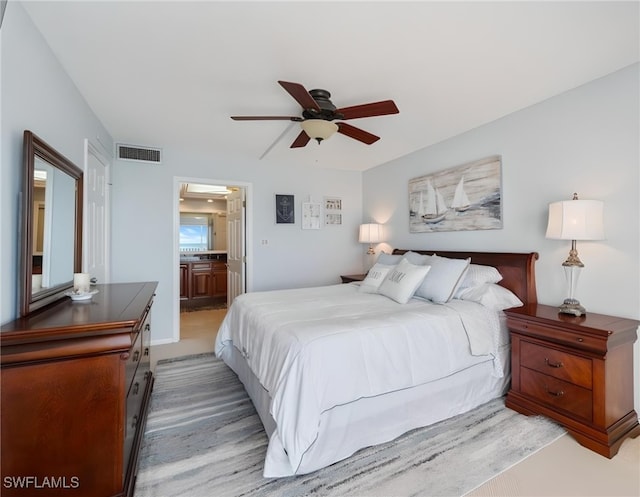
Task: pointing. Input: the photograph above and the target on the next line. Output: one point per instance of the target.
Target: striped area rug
(204, 438)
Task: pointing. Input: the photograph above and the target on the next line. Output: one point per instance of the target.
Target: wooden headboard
(517, 269)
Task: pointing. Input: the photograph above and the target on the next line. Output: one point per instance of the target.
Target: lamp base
(572, 306)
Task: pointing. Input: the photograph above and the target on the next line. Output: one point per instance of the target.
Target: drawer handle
(136, 387)
(146, 351)
(580, 339)
(553, 364)
(554, 394)
(134, 422)
(147, 327)
(136, 355)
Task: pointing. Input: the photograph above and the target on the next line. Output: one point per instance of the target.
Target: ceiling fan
(319, 114)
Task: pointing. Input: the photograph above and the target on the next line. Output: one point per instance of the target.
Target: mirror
(51, 224)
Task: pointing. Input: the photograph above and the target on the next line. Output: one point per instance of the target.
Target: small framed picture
(332, 211)
(285, 209)
(311, 215)
(332, 204)
(332, 219)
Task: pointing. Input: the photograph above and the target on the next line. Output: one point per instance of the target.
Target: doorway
(206, 242)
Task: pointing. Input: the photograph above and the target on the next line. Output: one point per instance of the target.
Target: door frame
(248, 251)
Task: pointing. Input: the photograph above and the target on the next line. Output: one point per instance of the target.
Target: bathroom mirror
(51, 224)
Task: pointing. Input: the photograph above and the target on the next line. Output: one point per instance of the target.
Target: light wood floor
(562, 469)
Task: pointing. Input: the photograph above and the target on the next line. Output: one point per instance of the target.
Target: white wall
(38, 95)
(586, 140)
(143, 241)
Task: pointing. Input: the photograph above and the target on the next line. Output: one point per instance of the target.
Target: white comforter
(316, 348)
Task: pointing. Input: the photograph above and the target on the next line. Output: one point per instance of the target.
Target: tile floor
(562, 469)
(198, 331)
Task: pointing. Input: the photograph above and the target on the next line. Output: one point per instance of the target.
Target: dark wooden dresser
(76, 383)
(575, 370)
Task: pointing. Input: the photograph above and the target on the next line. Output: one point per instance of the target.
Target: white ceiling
(169, 74)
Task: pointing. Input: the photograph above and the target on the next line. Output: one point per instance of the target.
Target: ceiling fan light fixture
(319, 129)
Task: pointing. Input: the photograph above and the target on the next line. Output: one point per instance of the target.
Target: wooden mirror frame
(35, 147)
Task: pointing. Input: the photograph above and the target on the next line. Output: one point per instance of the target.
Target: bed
(335, 369)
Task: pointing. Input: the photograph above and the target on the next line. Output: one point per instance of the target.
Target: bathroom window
(196, 232)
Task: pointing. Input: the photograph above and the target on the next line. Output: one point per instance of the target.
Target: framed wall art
(466, 197)
(332, 210)
(285, 209)
(311, 215)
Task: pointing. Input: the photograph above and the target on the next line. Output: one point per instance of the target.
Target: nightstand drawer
(557, 393)
(561, 365)
(559, 335)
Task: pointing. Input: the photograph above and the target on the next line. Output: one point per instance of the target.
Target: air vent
(139, 154)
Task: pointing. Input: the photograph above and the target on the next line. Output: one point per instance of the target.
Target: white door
(236, 264)
(95, 238)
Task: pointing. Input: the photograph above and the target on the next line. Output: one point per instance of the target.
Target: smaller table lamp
(370, 233)
(575, 220)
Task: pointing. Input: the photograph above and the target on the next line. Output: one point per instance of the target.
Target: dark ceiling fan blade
(357, 133)
(301, 140)
(266, 118)
(382, 108)
(300, 94)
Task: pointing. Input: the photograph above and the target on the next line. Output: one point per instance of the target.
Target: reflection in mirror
(39, 194)
(53, 206)
(52, 224)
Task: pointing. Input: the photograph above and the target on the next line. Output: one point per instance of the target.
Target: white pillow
(374, 278)
(389, 259)
(401, 282)
(478, 275)
(490, 295)
(443, 279)
(417, 259)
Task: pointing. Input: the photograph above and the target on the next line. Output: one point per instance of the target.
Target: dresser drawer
(146, 344)
(556, 393)
(135, 354)
(562, 336)
(134, 401)
(556, 363)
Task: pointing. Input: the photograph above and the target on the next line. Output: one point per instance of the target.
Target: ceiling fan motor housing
(327, 109)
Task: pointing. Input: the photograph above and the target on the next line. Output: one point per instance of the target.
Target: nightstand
(348, 278)
(577, 371)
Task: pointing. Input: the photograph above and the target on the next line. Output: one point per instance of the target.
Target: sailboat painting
(466, 197)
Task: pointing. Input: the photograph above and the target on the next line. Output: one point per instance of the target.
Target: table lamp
(575, 220)
(370, 233)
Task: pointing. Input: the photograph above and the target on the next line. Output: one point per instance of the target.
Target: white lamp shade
(319, 128)
(371, 233)
(576, 220)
